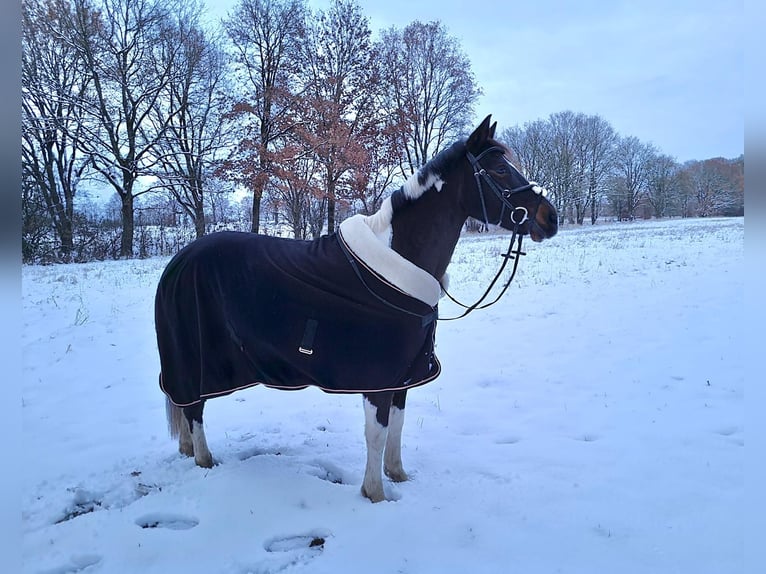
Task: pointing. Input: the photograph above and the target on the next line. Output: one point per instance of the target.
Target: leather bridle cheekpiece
(504, 195)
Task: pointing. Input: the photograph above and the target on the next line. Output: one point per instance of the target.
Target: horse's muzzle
(545, 223)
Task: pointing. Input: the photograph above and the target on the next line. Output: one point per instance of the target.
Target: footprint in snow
(507, 440)
(83, 502)
(77, 564)
(257, 451)
(328, 472)
(728, 431)
(732, 434)
(167, 520)
(286, 552)
(587, 437)
(314, 542)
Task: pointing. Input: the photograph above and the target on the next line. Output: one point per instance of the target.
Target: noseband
(505, 196)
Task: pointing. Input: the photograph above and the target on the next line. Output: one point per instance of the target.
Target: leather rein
(518, 216)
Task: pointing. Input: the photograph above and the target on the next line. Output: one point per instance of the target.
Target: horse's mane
(430, 175)
(433, 172)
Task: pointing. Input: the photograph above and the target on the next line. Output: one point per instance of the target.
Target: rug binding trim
(410, 385)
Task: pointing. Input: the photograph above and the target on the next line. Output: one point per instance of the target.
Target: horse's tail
(175, 416)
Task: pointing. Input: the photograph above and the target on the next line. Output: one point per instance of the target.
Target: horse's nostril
(553, 218)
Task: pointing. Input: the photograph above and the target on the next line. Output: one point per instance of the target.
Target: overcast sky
(670, 72)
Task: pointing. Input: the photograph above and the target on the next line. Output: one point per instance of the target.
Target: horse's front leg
(377, 407)
(392, 459)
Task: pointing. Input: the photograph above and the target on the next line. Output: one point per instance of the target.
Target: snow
(591, 421)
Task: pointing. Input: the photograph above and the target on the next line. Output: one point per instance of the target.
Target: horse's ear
(479, 135)
(492, 129)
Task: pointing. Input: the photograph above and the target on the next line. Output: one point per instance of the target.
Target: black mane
(438, 166)
(440, 163)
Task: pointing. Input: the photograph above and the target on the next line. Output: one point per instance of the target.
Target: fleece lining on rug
(234, 310)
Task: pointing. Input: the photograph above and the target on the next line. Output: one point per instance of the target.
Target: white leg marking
(202, 454)
(392, 459)
(375, 435)
(185, 443)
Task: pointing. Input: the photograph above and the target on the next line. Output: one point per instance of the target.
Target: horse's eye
(501, 169)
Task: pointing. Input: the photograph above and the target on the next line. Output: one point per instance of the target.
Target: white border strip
(358, 233)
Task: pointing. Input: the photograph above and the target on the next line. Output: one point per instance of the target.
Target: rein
(509, 254)
(504, 195)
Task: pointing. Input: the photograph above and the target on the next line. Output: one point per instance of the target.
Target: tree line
(592, 168)
(303, 110)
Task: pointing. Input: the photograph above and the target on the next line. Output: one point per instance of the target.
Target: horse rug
(344, 313)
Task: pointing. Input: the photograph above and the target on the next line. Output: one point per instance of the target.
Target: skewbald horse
(351, 312)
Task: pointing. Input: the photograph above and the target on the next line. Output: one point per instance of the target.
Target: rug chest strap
(307, 343)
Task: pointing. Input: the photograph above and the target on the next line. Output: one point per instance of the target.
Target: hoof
(186, 449)
(204, 462)
(376, 496)
(397, 475)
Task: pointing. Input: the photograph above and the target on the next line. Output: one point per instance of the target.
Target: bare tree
(571, 154)
(713, 186)
(35, 223)
(194, 137)
(662, 184)
(265, 35)
(430, 89)
(53, 82)
(631, 176)
(532, 147)
(599, 140)
(566, 162)
(130, 58)
(372, 182)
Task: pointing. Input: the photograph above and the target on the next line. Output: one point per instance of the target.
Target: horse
(354, 311)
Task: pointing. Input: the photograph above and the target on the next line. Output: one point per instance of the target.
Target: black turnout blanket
(234, 310)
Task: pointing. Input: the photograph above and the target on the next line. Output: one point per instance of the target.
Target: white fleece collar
(368, 237)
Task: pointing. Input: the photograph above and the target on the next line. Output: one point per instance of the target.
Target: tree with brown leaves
(266, 35)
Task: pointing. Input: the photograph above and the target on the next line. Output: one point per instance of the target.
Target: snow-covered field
(592, 421)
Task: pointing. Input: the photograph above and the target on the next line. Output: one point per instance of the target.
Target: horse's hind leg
(185, 443)
(392, 459)
(179, 428)
(195, 427)
(376, 412)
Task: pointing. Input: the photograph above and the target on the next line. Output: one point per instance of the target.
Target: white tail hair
(176, 418)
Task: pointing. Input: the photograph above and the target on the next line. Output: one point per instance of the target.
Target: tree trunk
(260, 180)
(62, 224)
(126, 240)
(199, 219)
(257, 194)
(330, 205)
(593, 211)
(330, 215)
(67, 240)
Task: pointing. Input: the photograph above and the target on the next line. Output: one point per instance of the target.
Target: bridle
(505, 196)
